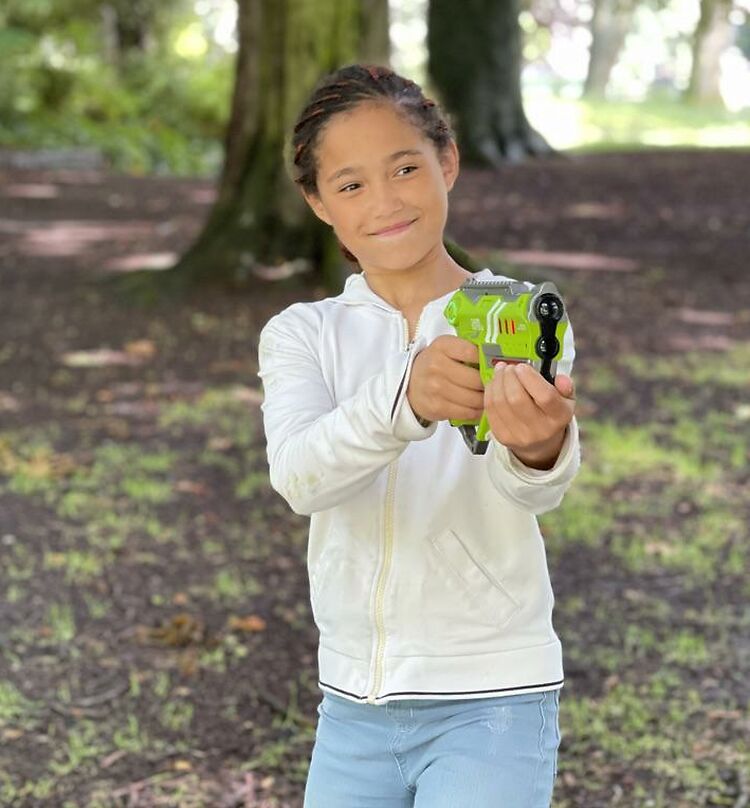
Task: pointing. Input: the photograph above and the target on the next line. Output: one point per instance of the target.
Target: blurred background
(148, 85)
(157, 646)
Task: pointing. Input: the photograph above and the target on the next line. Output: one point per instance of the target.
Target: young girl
(438, 661)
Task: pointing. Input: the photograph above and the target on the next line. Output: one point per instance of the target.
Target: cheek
(344, 217)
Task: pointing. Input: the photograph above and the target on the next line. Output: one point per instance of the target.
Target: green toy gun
(508, 322)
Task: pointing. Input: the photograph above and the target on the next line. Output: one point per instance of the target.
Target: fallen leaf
(191, 487)
(220, 444)
(98, 358)
(106, 762)
(180, 630)
(250, 622)
(188, 663)
(715, 715)
(141, 347)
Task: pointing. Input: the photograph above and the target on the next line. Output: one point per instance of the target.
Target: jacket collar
(357, 291)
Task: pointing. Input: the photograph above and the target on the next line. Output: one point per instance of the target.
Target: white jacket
(428, 573)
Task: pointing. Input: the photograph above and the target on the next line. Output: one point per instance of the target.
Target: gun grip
(469, 434)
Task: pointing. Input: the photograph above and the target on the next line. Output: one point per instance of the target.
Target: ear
(449, 162)
(318, 208)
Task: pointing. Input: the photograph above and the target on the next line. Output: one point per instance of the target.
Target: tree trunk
(713, 34)
(474, 63)
(375, 42)
(130, 22)
(260, 227)
(609, 26)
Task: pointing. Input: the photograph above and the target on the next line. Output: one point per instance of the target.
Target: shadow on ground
(157, 641)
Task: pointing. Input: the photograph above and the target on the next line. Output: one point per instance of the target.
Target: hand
(528, 414)
(441, 387)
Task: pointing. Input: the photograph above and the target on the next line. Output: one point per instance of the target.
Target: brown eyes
(356, 184)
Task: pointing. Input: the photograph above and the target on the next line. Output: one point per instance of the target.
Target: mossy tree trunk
(260, 227)
(474, 63)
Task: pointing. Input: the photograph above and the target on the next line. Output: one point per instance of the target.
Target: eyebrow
(353, 169)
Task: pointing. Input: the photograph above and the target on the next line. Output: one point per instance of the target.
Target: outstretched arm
(321, 453)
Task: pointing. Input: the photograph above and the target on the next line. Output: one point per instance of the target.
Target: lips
(394, 228)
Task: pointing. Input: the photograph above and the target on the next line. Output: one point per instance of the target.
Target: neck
(411, 288)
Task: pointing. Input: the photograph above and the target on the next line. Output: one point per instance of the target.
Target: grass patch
(653, 730)
(696, 368)
(589, 125)
(222, 411)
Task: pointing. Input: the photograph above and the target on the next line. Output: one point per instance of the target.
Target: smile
(395, 231)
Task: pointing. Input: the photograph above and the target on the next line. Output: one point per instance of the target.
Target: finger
(465, 414)
(504, 423)
(463, 376)
(462, 397)
(519, 399)
(546, 396)
(565, 385)
(459, 349)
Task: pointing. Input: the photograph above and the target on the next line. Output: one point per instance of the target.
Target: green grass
(656, 729)
(657, 503)
(14, 706)
(727, 370)
(589, 125)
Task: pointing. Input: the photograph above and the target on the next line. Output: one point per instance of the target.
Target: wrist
(422, 421)
(542, 456)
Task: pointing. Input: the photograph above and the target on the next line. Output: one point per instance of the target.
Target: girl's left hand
(528, 414)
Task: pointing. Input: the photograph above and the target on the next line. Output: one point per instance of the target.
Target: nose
(386, 202)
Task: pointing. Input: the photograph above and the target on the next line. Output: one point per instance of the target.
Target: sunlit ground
(610, 125)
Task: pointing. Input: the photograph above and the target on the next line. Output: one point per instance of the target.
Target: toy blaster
(508, 322)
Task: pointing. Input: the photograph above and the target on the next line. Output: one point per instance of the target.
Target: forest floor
(156, 640)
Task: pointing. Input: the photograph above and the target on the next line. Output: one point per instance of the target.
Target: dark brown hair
(343, 90)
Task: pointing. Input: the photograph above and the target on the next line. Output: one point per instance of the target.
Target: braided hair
(343, 90)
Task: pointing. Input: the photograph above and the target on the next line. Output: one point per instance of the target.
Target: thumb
(565, 386)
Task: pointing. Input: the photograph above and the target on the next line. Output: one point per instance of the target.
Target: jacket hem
(447, 694)
(512, 671)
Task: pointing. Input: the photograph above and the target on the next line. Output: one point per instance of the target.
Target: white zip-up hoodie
(428, 573)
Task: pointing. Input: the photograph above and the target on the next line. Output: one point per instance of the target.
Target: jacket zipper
(380, 592)
(390, 495)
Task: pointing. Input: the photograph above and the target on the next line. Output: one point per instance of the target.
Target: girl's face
(377, 170)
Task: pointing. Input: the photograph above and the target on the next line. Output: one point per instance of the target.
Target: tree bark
(474, 63)
(375, 43)
(713, 34)
(260, 227)
(609, 26)
(131, 25)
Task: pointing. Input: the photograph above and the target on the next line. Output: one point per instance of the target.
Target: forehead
(367, 136)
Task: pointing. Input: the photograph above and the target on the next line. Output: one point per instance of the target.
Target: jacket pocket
(339, 597)
(489, 600)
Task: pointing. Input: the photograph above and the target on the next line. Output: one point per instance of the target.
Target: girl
(438, 662)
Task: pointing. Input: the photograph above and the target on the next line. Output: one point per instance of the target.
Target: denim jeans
(498, 752)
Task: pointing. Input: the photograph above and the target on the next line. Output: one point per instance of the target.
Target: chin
(398, 257)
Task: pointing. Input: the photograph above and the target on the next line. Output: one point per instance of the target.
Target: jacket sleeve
(538, 490)
(321, 453)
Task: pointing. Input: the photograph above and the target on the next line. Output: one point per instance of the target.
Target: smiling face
(377, 170)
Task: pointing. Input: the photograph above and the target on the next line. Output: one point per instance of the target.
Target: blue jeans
(498, 752)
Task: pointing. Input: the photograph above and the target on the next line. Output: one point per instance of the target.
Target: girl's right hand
(441, 386)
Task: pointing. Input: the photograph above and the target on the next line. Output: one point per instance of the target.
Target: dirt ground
(156, 636)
